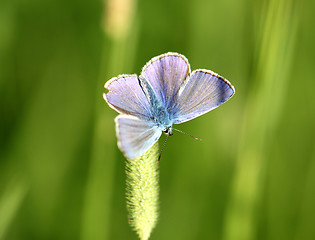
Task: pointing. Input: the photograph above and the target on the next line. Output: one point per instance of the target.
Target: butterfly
(165, 93)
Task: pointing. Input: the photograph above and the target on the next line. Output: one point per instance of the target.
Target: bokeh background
(61, 173)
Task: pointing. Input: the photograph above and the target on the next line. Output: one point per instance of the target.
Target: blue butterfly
(165, 93)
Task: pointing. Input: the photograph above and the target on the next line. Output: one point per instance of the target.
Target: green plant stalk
(274, 54)
(10, 202)
(142, 192)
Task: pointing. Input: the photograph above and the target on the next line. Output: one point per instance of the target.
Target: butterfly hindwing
(135, 136)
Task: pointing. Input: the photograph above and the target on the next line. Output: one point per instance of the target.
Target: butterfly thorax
(163, 120)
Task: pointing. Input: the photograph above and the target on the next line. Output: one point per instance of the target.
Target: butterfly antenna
(163, 147)
(199, 139)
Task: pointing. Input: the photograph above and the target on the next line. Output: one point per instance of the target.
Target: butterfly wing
(201, 93)
(126, 96)
(135, 136)
(165, 74)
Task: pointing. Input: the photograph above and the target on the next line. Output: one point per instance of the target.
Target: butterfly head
(168, 131)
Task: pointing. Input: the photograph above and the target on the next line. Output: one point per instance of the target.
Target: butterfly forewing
(135, 136)
(126, 96)
(166, 73)
(201, 93)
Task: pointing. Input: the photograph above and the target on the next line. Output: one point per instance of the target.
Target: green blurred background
(61, 173)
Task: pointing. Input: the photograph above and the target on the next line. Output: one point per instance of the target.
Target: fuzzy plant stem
(142, 192)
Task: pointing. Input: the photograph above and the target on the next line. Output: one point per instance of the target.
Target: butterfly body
(162, 116)
(162, 119)
(165, 93)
